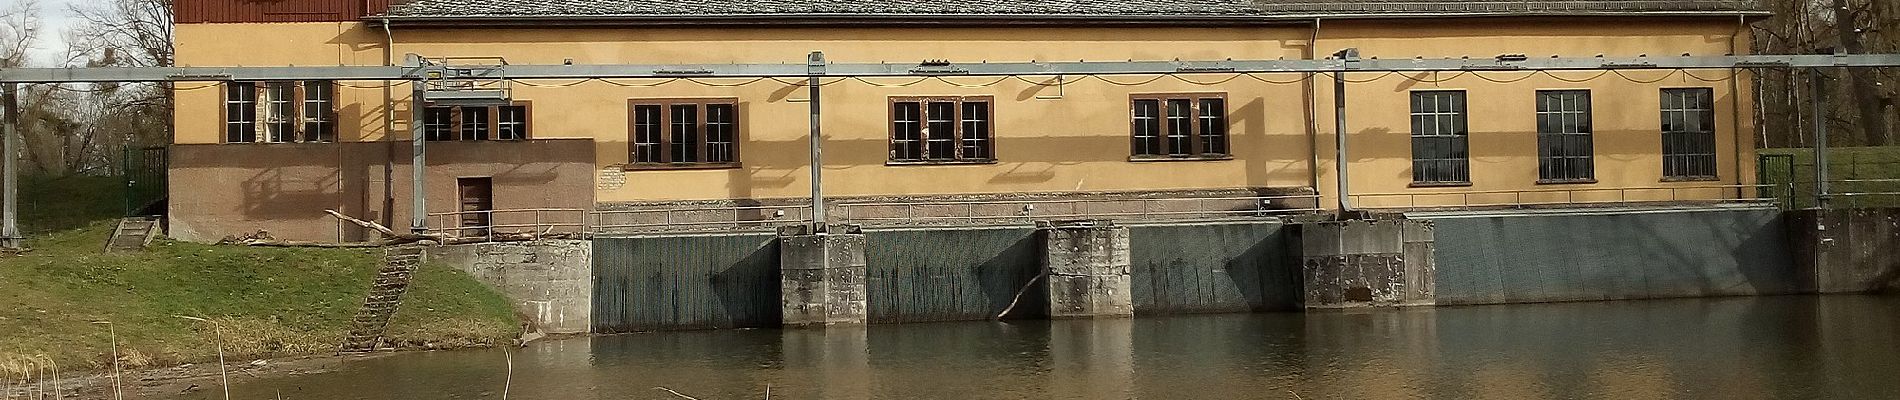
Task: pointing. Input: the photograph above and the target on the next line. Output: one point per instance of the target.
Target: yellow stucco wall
(1078, 142)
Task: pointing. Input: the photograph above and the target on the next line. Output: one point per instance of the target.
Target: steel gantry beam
(945, 68)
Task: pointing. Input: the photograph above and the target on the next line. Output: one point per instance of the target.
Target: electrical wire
(1600, 74)
(889, 86)
(754, 80)
(1692, 75)
(1256, 76)
(977, 86)
(1639, 81)
(1178, 77)
(661, 82)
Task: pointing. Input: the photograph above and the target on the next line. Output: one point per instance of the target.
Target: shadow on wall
(741, 283)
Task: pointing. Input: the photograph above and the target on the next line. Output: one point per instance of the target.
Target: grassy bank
(267, 302)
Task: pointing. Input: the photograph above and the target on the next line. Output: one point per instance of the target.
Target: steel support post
(10, 146)
(1818, 85)
(815, 66)
(418, 163)
(1350, 57)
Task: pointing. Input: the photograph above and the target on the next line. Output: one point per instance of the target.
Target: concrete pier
(1848, 251)
(1367, 263)
(1087, 264)
(822, 277)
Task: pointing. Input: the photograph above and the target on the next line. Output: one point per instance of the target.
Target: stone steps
(384, 299)
(132, 234)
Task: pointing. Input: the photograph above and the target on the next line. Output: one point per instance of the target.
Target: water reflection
(1741, 348)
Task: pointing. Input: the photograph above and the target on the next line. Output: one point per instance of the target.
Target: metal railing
(530, 222)
(737, 217)
(1751, 194)
(1029, 211)
(1865, 192)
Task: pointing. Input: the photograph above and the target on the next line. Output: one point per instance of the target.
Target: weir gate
(1101, 269)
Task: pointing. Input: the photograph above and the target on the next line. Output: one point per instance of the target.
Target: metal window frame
(246, 125)
(524, 127)
(1577, 103)
(1460, 118)
(665, 145)
(1196, 135)
(957, 137)
(274, 128)
(1690, 164)
(325, 129)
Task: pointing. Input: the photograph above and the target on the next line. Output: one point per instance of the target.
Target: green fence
(143, 171)
(1858, 177)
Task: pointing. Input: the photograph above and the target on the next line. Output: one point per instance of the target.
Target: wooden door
(476, 197)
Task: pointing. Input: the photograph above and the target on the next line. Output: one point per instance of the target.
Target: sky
(55, 19)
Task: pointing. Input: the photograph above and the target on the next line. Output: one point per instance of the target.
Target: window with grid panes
(942, 130)
(279, 112)
(1174, 126)
(1688, 134)
(1564, 137)
(280, 116)
(319, 119)
(240, 112)
(1440, 138)
(683, 133)
(475, 123)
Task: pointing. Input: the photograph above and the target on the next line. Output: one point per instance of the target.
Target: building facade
(272, 156)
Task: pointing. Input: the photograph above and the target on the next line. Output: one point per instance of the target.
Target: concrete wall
(686, 282)
(950, 274)
(1216, 267)
(1087, 147)
(1849, 251)
(550, 282)
(1543, 257)
(223, 190)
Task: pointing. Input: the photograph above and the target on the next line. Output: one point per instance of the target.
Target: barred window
(1440, 138)
(1688, 134)
(1564, 137)
(942, 130)
(476, 123)
(240, 112)
(319, 111)
(676, 133)
(511, 122)
(279, 112)
(280, 116)
(1179, 126)
(438, 123)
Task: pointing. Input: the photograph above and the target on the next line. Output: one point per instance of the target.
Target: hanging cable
(754, 80)
(884, 85)
(1599, 75)
(1628, 78)
(1256, 76)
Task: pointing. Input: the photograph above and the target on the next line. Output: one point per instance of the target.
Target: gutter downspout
(1312, 111)
(1735, 111)
(389, 129)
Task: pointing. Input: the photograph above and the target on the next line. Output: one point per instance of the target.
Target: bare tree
(1858, 104)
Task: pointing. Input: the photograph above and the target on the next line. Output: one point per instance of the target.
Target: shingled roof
(1160, 10)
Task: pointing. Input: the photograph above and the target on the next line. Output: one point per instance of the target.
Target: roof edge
(813, 20)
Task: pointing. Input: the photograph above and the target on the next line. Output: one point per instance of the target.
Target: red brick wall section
(242, 11)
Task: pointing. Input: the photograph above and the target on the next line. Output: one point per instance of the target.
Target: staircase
(385, 296)
(133, 234)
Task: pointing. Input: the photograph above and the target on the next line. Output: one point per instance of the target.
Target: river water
(1730, 348)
